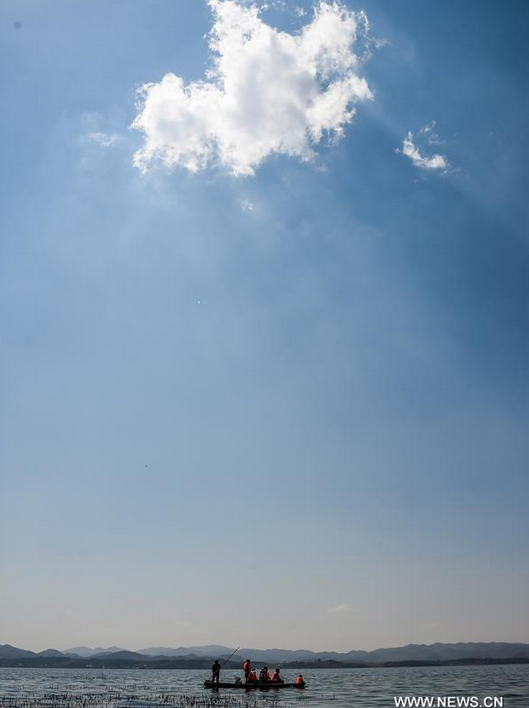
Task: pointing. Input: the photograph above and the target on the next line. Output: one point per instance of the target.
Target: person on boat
(253, 677)
(299, 680)
(264, 676)
(276, 676)
(247, 668)
(215, 672)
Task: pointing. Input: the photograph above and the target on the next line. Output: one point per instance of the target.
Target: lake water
(361, 688)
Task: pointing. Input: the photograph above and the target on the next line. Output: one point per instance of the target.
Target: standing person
(247, 668)
(215, 671)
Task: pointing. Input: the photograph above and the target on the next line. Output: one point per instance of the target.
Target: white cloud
(104, 140)
(339, 609)
(429, 132)
(268, 92)
(275, 5)
(246, 205)
(410, 149)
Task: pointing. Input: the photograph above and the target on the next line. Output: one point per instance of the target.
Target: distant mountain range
(202, 656)
(86, 651)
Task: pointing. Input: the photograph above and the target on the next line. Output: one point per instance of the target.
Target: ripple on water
(361, 688)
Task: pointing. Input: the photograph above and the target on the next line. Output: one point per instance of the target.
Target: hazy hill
(128, 656)
(122, 655)
(207, 650)
(444, 652)
(410, 652)
(86, 651)
(278, 656)
(50, 652)
(202, 656)
(9, 652)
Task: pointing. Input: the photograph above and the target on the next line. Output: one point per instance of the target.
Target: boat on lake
(253, 684)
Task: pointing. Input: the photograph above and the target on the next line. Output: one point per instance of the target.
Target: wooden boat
(253, 684)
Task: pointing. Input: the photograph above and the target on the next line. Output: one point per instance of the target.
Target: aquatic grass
(118, 699)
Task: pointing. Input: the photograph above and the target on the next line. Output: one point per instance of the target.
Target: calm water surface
(362, 688)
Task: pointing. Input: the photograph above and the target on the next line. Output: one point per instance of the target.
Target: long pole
(226, 661)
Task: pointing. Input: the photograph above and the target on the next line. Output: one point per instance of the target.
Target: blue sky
(300, 393)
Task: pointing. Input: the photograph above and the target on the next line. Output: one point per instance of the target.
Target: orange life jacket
(265, 676)
(276, 676)
(247, 667)
(299, 679)
(253, 676)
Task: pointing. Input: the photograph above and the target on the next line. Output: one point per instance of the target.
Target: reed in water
(117, 699)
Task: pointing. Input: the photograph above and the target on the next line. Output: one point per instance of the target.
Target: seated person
(253, 677)
(264, 676)
(299, 680)
(276, 676)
